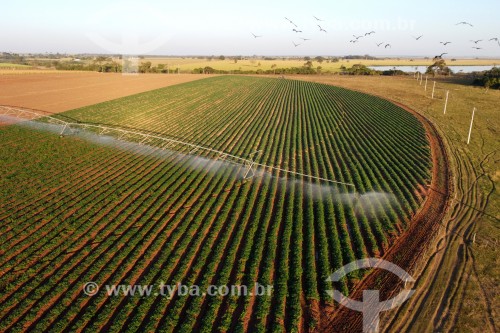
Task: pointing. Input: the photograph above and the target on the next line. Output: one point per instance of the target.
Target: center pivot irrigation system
(156, 141)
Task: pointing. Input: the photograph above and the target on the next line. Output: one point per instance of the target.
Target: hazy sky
(195, 27)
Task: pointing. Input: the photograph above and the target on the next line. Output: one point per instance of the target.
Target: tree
(99, 60)
(439, 67)
(110, 67)
(360, 69)
(273, 67)
(222, 57)
(319, 59)
(489, 79)
(208, 70)
(308, 64)
(145, 67)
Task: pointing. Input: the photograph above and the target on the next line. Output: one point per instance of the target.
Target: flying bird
(445, 43)
(417, 38)
(358, 37)
(476, 41)
(387, 45)
(477, 48)
(369, 33)
(304, 39)
(378, 44)
(464, 23)
(321, 29)
(295, 44)
(353, 41)
(440, 56)
(495, 39)
(317, 19)
(255, 36)
(291, 22)
(297, 30)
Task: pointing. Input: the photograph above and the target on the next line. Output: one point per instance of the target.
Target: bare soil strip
(64, 91)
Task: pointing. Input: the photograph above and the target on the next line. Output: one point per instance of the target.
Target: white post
(446, 101)
(425, 83)
(471, 121)
(433, 88)
(421, 78)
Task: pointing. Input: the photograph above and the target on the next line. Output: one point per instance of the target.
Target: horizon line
(485, 57)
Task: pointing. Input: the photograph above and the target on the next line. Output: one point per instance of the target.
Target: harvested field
(57, 92)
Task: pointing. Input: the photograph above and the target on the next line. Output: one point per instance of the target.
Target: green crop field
(93, 208)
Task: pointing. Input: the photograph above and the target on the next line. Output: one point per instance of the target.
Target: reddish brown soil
(407, 249)
(57, 92)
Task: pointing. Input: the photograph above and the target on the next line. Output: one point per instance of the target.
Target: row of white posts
(420, 78)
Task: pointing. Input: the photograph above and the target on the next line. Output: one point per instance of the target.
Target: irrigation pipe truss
(166, 143)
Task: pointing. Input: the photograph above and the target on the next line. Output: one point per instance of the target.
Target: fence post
(471, 121)
(446, 101)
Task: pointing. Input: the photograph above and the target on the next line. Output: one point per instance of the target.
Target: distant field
(9, 68)
(187, 65)
(84, 208)
(7, 65)
(60, 91)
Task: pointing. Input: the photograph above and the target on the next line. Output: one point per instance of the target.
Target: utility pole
(446, 101)
(471, 121)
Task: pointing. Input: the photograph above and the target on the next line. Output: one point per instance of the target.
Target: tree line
(489, 79)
